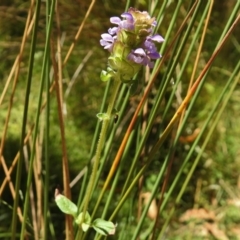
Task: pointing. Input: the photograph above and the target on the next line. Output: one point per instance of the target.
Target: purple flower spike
(131, 44)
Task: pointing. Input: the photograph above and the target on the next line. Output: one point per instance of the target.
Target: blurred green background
(217, 177)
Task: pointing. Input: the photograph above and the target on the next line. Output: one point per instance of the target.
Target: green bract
(103, 116)
(119, 63)
(105, 76)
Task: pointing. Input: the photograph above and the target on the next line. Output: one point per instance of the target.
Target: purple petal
(135, 58)
(140, 51)
(154, 55)
(156, 38)
(113, 30)
(145, 61)
(126, 25)
(115, 20)
(107, 37)
(150, 46)
(105, 44)
(151, 64)
(107, 41)
(154, 24)
(128, 16)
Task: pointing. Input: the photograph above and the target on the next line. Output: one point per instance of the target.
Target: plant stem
(101, 141)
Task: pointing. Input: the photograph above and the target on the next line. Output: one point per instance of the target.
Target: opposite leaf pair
(101, 226)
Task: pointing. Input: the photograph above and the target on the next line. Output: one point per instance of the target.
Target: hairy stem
(101, 141)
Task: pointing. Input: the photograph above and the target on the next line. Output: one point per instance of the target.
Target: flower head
(131, 43)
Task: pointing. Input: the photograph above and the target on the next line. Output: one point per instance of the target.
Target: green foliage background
(217, 171)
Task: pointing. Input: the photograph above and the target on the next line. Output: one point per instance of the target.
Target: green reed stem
(43, 75)
(223, 100)
(25, 113)
(47, 132)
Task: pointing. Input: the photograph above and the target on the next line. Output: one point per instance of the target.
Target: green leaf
(85, 223)
(66, 205)
(104, 227)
